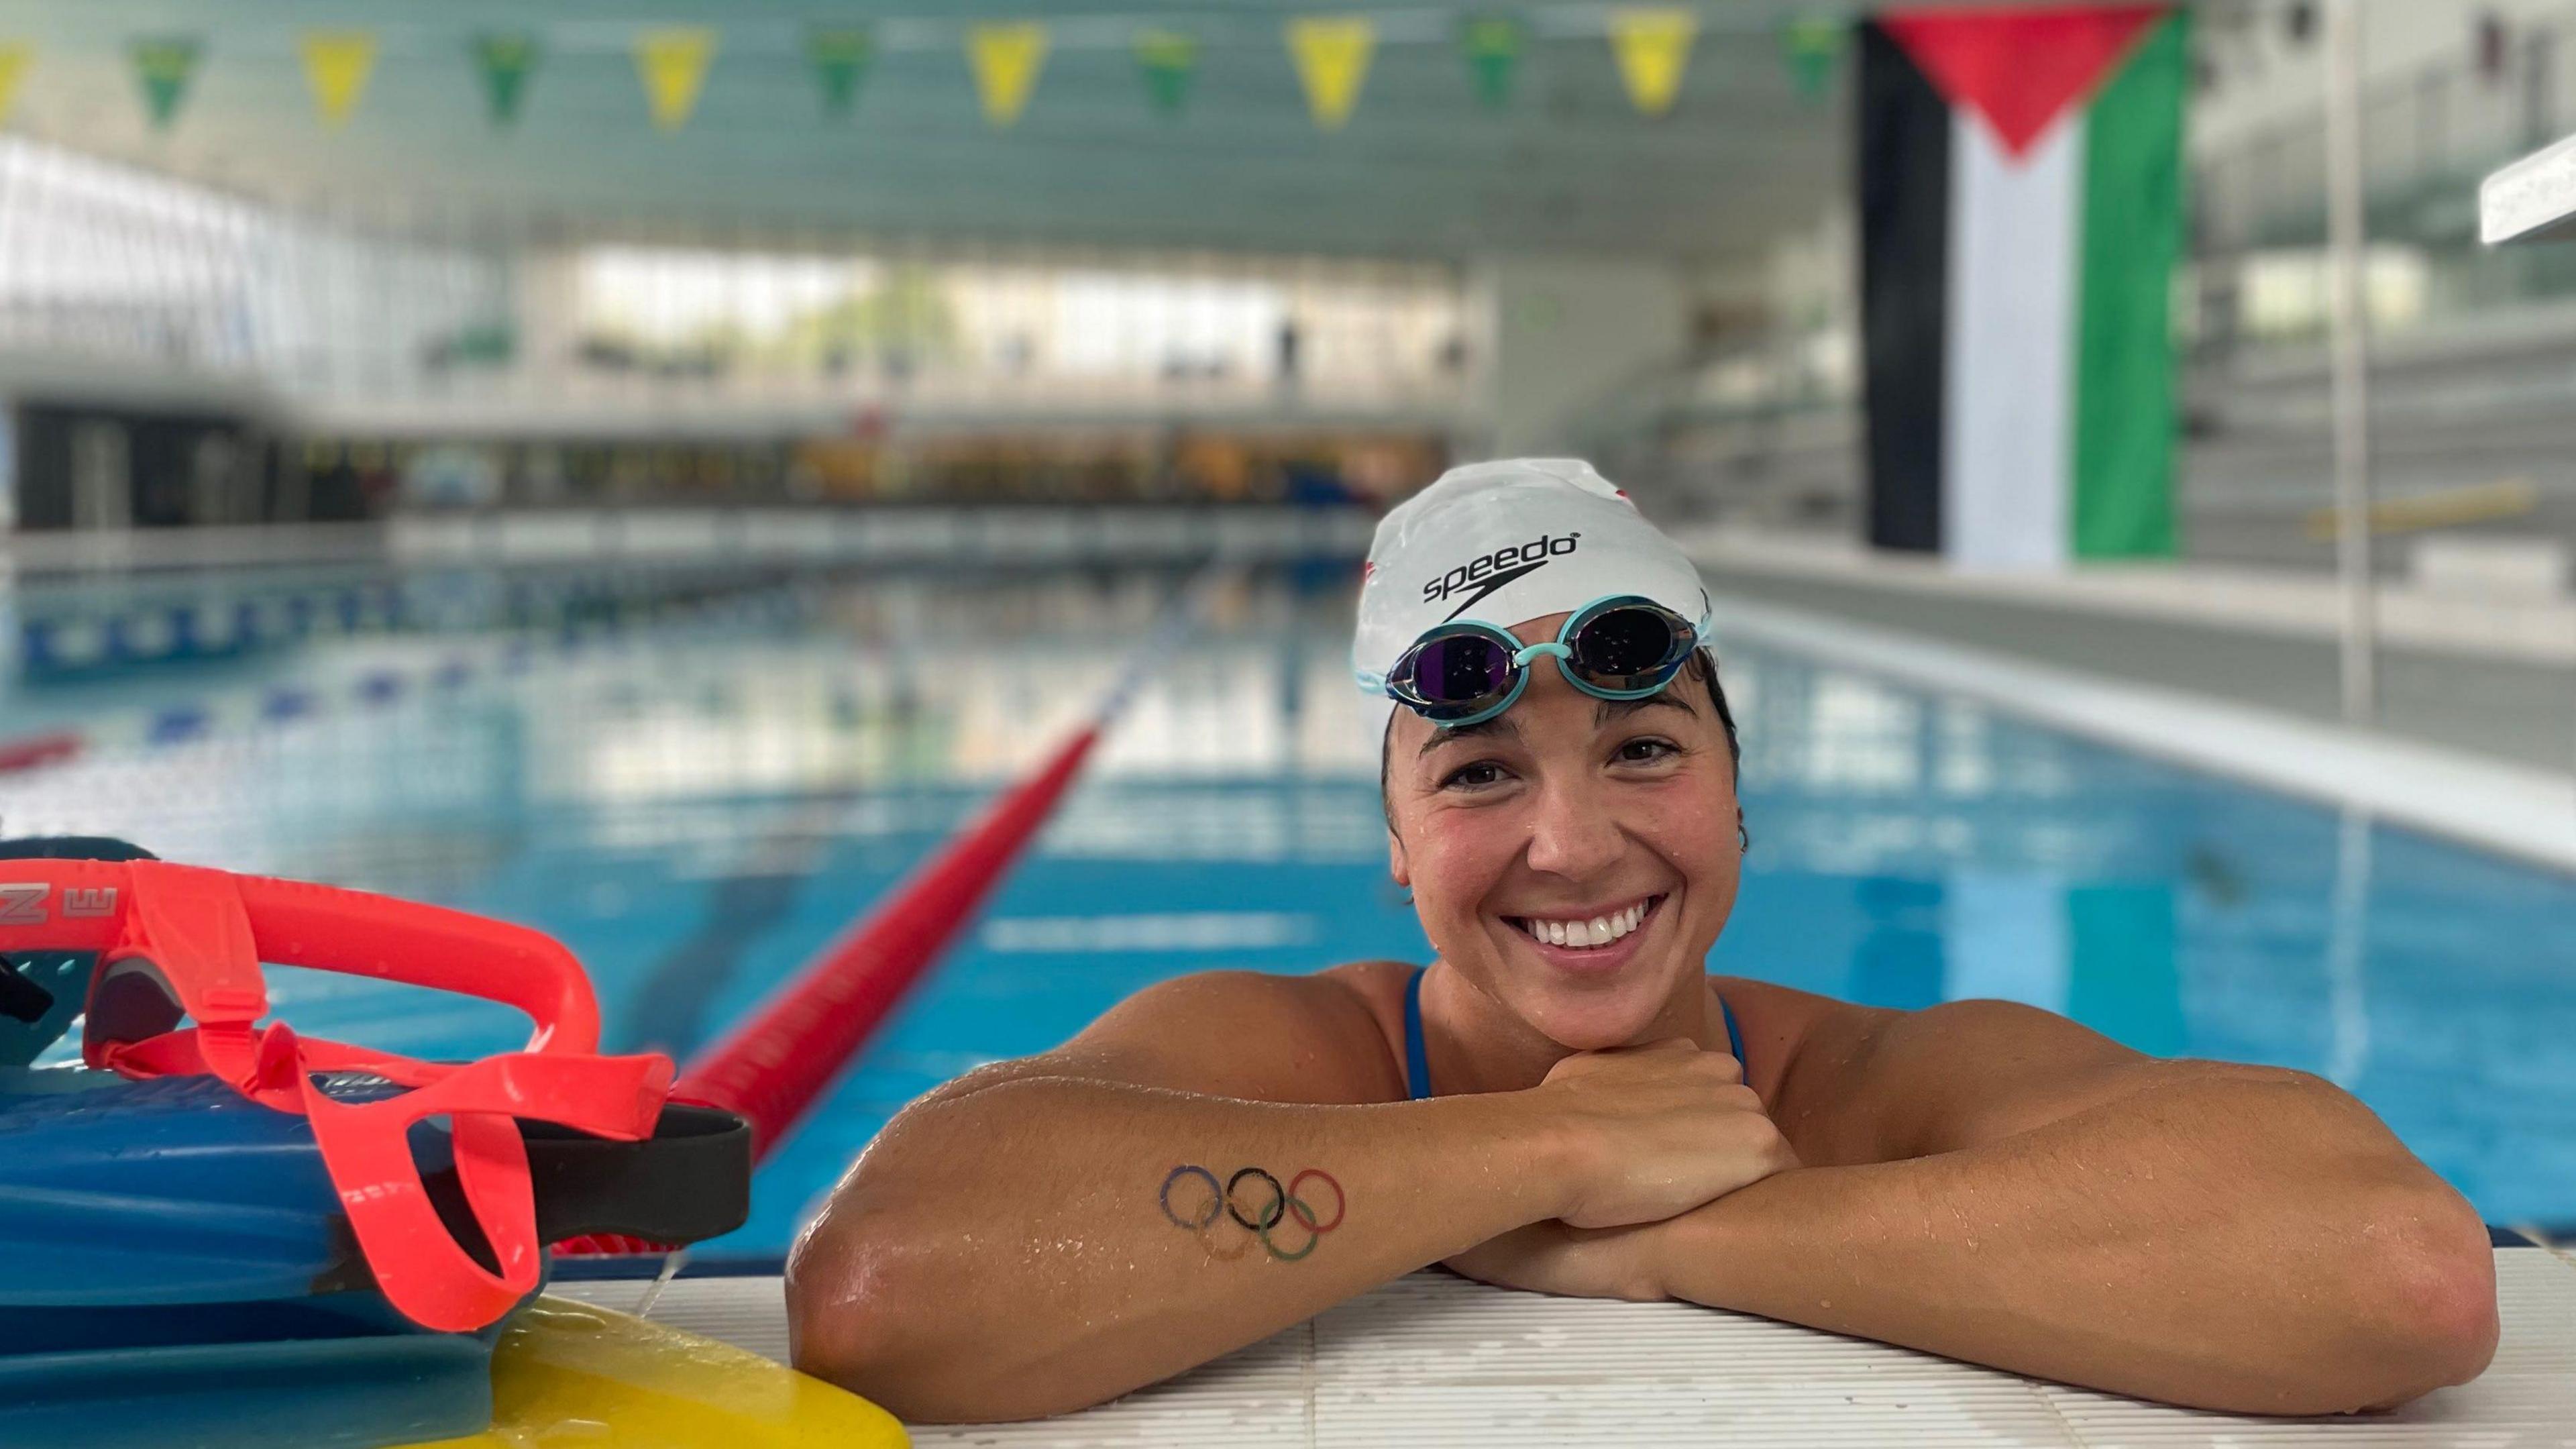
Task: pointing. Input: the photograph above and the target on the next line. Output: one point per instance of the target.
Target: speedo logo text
(1500, 567)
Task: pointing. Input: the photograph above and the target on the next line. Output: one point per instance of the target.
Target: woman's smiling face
(1573, 857)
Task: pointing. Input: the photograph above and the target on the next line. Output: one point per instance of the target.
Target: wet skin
(1978, 1179)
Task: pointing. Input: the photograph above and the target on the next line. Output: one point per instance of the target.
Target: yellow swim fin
(568, 1374)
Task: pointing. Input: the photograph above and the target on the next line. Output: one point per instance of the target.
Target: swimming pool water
(696, 810)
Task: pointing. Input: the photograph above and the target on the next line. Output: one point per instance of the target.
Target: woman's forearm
(2259, 1246)
(1043, 1244)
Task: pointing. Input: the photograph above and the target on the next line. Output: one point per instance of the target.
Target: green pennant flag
(505, 59)
(1813, 46)
(840, 55)
(1167, 57)
(165, 64)
(1493, 46)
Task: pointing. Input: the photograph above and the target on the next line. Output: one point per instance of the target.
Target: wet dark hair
(1702, 667)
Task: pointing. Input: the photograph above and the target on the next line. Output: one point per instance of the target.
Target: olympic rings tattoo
(1215, 1195)
(1283, 1204)
(1306, 1214)
(1242, 1245)
(1216, 1208)
(1271, 1212)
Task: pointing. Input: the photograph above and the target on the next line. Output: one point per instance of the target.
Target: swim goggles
(1467, 672)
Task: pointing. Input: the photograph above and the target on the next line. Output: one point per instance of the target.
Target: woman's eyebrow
(1610, 709)
(1500, 724)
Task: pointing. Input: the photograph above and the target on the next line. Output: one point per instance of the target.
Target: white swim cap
(1503, 543)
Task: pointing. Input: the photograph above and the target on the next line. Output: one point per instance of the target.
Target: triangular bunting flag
(1332, 56)
(1167, 57)
(164, 64)
(15, 57)
(504, 60)
(1653, 48)
(1493, 46)
(672, 60)
(336, 66)
(2020, 69)
(1813, 47)
(1006, 60)
(839, 55)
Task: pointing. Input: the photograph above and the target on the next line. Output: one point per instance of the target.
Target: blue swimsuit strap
(1417, 1060)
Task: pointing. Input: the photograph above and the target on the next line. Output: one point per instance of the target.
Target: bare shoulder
(1802, 1051)
(1785, 1028)
(1851, 1083)
(1316, 1038)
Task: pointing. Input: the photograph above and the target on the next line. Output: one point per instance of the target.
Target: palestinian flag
(2021, 219)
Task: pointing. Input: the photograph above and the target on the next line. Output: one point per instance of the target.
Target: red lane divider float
(27, 752)
(777, 1063)
(772, 1067)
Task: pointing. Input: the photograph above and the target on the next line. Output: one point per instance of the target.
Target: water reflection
(696, 809)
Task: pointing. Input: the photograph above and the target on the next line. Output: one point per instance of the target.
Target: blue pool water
(697, 806)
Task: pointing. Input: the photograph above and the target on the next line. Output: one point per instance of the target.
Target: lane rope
(503, 656)
(775, 1065)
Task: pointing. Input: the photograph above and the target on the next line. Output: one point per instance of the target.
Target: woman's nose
(1572, 833)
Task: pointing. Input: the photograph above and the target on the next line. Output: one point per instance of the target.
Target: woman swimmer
(1561, 1102)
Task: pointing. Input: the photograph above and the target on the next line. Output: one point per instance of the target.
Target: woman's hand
(1651, 1132)
(1662, 1129)
(1549, 1257)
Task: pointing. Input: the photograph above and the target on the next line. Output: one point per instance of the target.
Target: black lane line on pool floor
(668, 1012)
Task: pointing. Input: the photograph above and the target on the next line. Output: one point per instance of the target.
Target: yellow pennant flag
(1006, 59)
(1332, 55)
(1653, 47)
(15, 56)
(336, 65)
(672, 62)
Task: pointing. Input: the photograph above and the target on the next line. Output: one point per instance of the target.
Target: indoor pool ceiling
(1422, 169)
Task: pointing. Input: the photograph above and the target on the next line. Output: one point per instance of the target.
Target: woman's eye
(1473, 777)
(1645, 751)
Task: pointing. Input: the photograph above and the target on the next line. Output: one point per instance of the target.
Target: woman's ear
(1396, 865)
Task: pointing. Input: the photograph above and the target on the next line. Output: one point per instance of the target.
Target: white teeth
(1598, 931)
